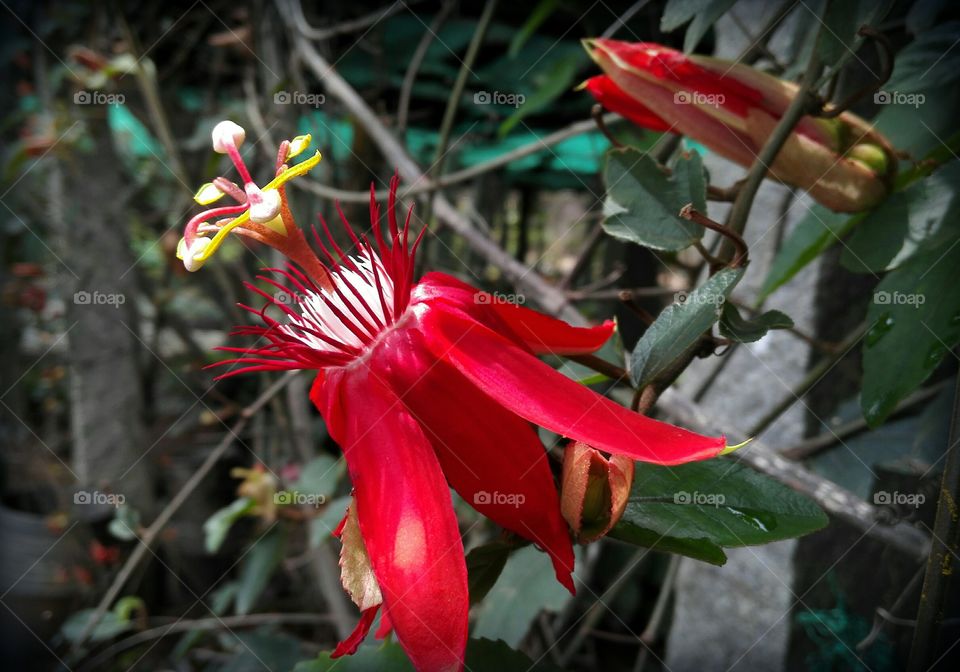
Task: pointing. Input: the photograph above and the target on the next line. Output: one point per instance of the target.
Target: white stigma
(225, 134)
(190, 261)
(264, 205)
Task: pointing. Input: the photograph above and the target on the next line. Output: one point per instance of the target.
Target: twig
(214, 623)
(424, 186)
(885, 51)
(596, 113)
(940, 563)
(799, 106)
(815, 445)
(150, 534)
(740, 257)
(835, 500)
(617, 293)
(612, 371)
(583, 257)
(351, 26)
(812, 378)
(651, 633)
(410, 76)
(880, 620)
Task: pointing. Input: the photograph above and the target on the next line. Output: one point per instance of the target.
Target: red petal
(535, 391)
(350, 644)
(607, 93)
(405, 513)
(492, 458)
(547, 335)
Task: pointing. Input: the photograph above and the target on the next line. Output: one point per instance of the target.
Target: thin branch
(410, 76)
(741, 255)
(885, 51)
(151, 533)
(943, 554)
(351, 26)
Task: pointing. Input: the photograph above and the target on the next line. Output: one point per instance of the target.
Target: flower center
(348, 317)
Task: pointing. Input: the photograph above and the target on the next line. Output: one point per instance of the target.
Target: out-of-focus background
(117, 442)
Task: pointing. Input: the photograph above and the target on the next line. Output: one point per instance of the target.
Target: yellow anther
(207, 194)
(297, 145)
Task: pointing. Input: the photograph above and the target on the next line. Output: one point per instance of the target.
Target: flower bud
(594, 491)
(226, 134)
(733, 109)
(189, 253)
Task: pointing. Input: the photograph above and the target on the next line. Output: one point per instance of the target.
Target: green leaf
(838, 40)
(643, 204)
(921, 218)
(915, 320)
(484, 566)
(679, 327)
(735, 327)
(813, 234)
(703, 12)
(322, 527)
(125, 523)
(922, 15)
(699, 508)
(482, 655)
(319, 476)
(257, 568)
(111, 625)
(526, 586)
(930, 62)
(540, 13)
(550, 82)
(216, 526)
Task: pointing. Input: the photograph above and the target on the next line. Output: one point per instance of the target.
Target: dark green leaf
(482, 655)
(540, 13)
(838, 40)
(928, 63)
(922, 217)
(109, 626)
(703, 12)
(735, 327)
(922, 15)
(679, 327)
(257, 568)
(701, 507)
(319, 476)
(553, 79)
(125, 523)
(526, 586)
(915, 320)
(643, 204)
(484, 565)
(813, 234)
(216, 526)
